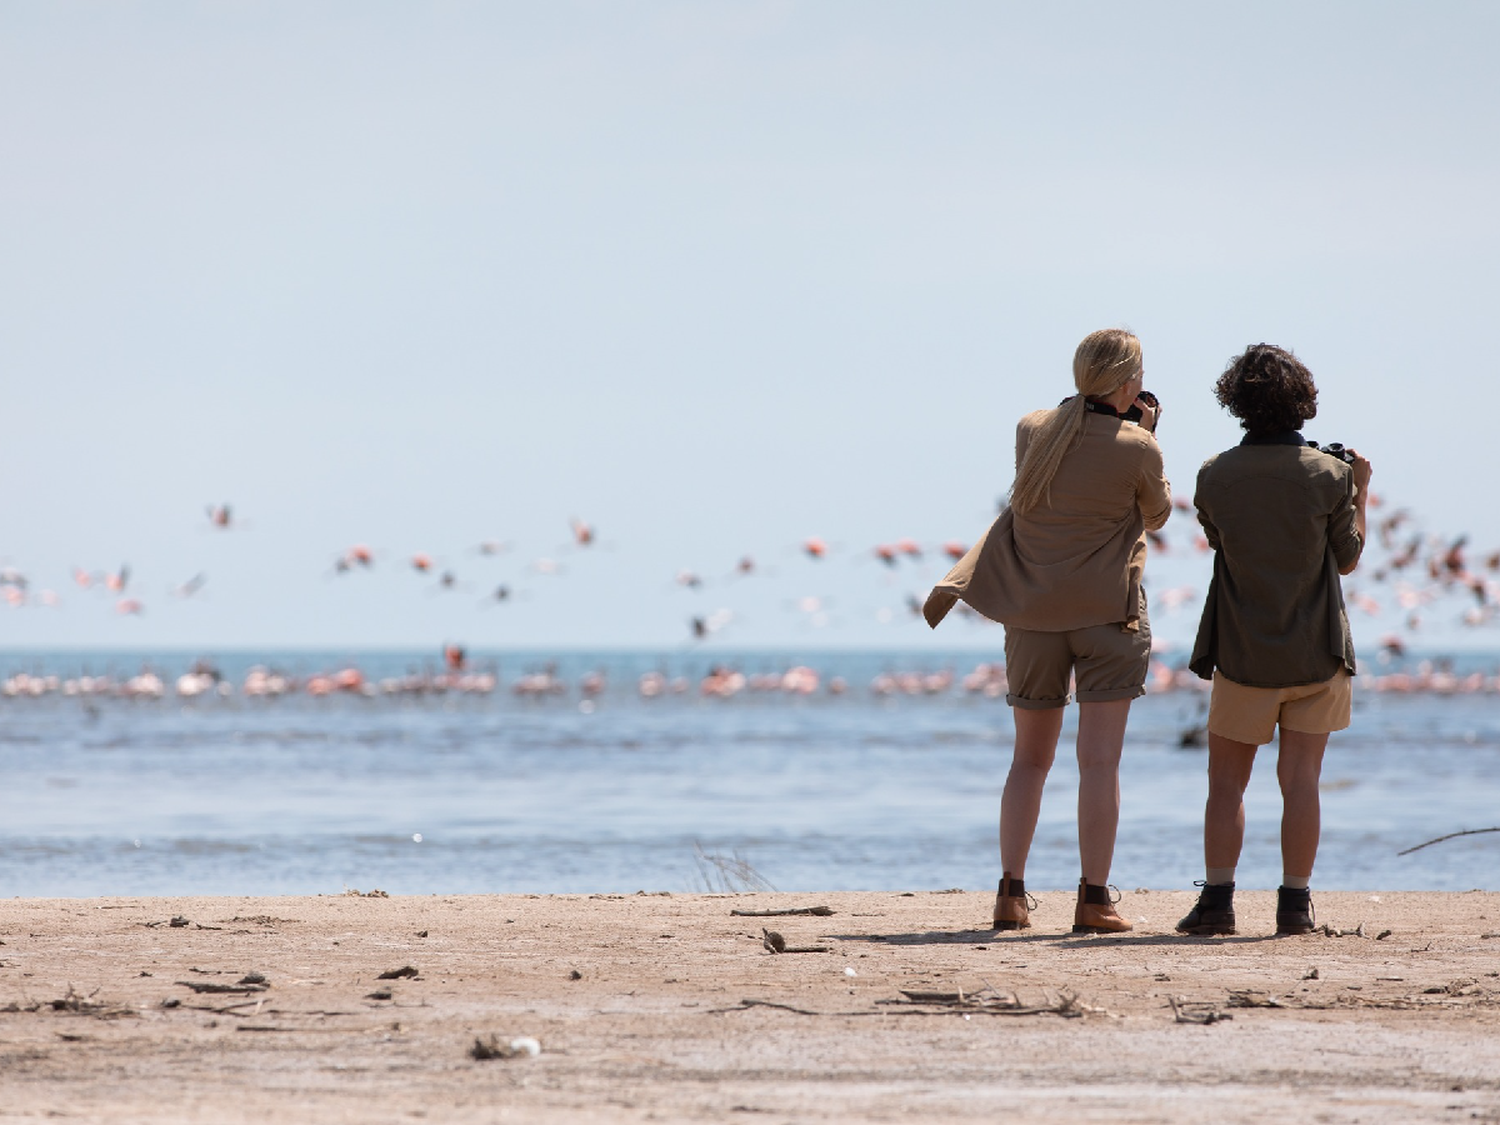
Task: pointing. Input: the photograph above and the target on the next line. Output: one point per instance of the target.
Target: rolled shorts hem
(1102, 695)
(1038, 704)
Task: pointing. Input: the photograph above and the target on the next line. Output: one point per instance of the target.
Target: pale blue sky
(715, 277)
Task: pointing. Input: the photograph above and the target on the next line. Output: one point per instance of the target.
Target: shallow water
(493, 793)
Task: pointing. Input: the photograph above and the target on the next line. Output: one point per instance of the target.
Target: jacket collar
(1285, 437)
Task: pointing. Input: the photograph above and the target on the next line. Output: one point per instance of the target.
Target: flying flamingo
(190, 587)
(1453, 558)
(357, 555)
(449, 581)
(746, 567)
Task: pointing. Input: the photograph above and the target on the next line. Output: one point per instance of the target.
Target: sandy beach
(656, 1007)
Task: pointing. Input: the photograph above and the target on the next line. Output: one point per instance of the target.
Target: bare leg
(1101, 734)
(1229, 766)
(1298, 768)
(1021, 803)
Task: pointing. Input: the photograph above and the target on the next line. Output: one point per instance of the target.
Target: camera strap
(1102, 408)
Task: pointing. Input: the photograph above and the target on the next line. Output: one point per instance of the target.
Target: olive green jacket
(1280, 517)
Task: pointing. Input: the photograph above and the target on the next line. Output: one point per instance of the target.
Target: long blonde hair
(1103, 363)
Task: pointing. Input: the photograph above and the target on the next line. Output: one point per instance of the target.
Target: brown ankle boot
(1011, 912)
(1095, 913)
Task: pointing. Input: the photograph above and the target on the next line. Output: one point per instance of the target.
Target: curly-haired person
(1285, 520)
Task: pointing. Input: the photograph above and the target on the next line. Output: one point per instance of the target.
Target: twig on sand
(1450, 836)
(229, 1009)
(819, 911)
(1333, 931)
(1252, 998)
(1196, 1013)
(989, 1002)
(79, 1004)
(233, 989)
(746, 1005)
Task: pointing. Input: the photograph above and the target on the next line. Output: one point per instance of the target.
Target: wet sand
(671, 1008)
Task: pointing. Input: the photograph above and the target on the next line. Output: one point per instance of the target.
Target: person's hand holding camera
(1362, 473)
(1150, 408)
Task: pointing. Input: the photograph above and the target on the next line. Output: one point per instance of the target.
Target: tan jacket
(1077, 561)
(1280, 517)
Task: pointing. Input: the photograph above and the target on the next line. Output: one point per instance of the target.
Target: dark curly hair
(1268, 389)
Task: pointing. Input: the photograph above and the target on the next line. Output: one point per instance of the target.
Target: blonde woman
(1061, 569)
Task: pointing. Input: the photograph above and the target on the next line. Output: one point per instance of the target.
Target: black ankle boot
(1294, 911)
(1214, 912)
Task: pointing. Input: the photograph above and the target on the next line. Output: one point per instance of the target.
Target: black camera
(1333, 449)
(1135, 413)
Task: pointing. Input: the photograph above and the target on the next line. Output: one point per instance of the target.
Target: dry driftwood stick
(773, 1004)
(1196, 1013)
(229, 1011)
(746, 1005)
(989, 1002)
(819, 911)
(1450, 836)
(211, 987)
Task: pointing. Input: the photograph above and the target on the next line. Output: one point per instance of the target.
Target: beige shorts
(1250, 714)
(1107, 661)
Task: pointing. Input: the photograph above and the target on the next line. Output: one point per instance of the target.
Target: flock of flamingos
(1407, 579)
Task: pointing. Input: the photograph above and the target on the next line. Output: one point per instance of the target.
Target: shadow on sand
(988, 937)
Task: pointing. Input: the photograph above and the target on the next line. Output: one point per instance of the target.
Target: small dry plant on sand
(731, 874)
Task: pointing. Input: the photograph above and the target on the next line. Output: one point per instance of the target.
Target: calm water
(496, 793)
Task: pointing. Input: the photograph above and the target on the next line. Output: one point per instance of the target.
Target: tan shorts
(1250, 714)
(1107, 661)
